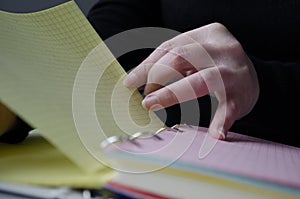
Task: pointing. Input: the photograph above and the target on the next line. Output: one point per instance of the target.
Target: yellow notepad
(42, 56)
(36, 161)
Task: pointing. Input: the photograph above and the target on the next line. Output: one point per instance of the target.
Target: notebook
(58, 75)
(35, 161)
(171, 162)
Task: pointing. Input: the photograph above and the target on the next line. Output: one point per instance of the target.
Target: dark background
(24, 6)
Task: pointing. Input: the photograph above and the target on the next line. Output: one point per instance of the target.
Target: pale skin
(207, 60)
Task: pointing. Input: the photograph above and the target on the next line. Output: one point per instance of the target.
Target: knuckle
(169, 96)
(167, 45)
(181, 51)
(235, 48)
(210, 76)
(217, 26)
(179, 54)
(219, 43)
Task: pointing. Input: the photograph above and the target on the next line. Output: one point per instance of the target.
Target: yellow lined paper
(35, 161)
(40, 56)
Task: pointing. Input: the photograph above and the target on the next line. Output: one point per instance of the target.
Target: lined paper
(37, 162)
(41, 54)
(241, 158)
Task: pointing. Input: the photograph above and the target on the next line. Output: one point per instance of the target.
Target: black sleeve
(17, 133)
(110, 17)
(275, 115)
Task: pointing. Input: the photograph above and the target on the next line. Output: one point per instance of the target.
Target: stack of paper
(59, 76)
(174, 167)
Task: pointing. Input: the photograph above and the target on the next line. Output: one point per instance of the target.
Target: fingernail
(221, 134)
(150, 102)
(130, 80)
(156, 107)
(218, 134)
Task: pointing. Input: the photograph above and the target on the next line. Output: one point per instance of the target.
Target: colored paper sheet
(35, 161)
(59, 76)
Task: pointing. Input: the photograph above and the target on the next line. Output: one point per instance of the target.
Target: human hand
(207, 60)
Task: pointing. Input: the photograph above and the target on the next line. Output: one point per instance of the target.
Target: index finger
(138, 76)
(188, 88)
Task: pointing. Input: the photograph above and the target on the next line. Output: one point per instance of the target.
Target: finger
(177, 63)
(188, 88)
(168, 69)
(138, 76)
(222, 121)
(224, 117)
